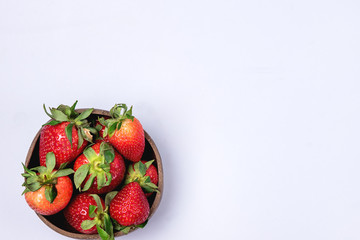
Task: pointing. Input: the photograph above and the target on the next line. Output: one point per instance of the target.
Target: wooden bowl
(57, 221)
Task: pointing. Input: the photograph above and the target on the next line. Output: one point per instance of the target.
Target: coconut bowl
(57, 221)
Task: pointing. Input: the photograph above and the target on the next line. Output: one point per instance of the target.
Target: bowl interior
(57, 221)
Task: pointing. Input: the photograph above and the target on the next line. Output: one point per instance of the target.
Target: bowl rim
(153, 207)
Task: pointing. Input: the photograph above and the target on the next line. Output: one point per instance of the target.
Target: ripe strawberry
(125, 132)
(99, 169)
(145, 173)
(101, 128)
(47, 191)
(130, 206)
(81, 216)
(66, 135)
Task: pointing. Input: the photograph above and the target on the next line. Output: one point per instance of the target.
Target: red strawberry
(100, 128)
(66, 135)
(47, 191)
(99, 169)
(145, 173)
(130, 206)
(81, 216)
(125, 132)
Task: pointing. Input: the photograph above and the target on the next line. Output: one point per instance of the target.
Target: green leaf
(108, 227)
(25, 191)
(80, 137)
(128, 114)
(81, 174)
(141, 167)
(87, 224)
(109, 156)
(146, 179)
(40, 169)
(102, 121)
(63, 172)
(108, 178)
(98, 202)
(34, 186)
(63, 165)
(105, 167)
(116, 225)
(92, 130)
(103, 234)
(50, 193)
(142, 225)
(31, 180)
(28, 171)
(58, 115)
(98, 127)
(72, 108)
(148, 164)
(47, 111)
(105, 132)
(101, 180)
(112, 129)
(90, 153)
(109, 197)
(107, 151)
(89, 182)
(52, 123)
(67, 111)
(68, 131)
(150, 187)
(50, 162)
(26, 175)
(92, 209)
(118, 126)
(125, 230)
(84, 114)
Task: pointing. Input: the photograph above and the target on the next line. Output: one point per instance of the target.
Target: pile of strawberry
(92, 171)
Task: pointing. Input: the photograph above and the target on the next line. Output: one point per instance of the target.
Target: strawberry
(99, 169)
(66, 135)
(145, 173)
(88, 213)
(101, 128)
(125, 132)
(81, 216)
(130, 206)
(47, 191)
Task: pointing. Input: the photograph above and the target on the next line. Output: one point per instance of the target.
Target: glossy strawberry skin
(129, 140)
(117, 171)
(130, 206)
(53, 139)
(37, 201)
(78, 210)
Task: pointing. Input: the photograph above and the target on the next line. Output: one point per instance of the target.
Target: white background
(254, 106)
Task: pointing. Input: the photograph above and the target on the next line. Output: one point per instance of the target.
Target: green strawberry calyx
(136, 173)
(118, 113)
(127, 229)
(98, 167)
(45, 176)
(100, 217)
(115, 225)
(64, 113)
